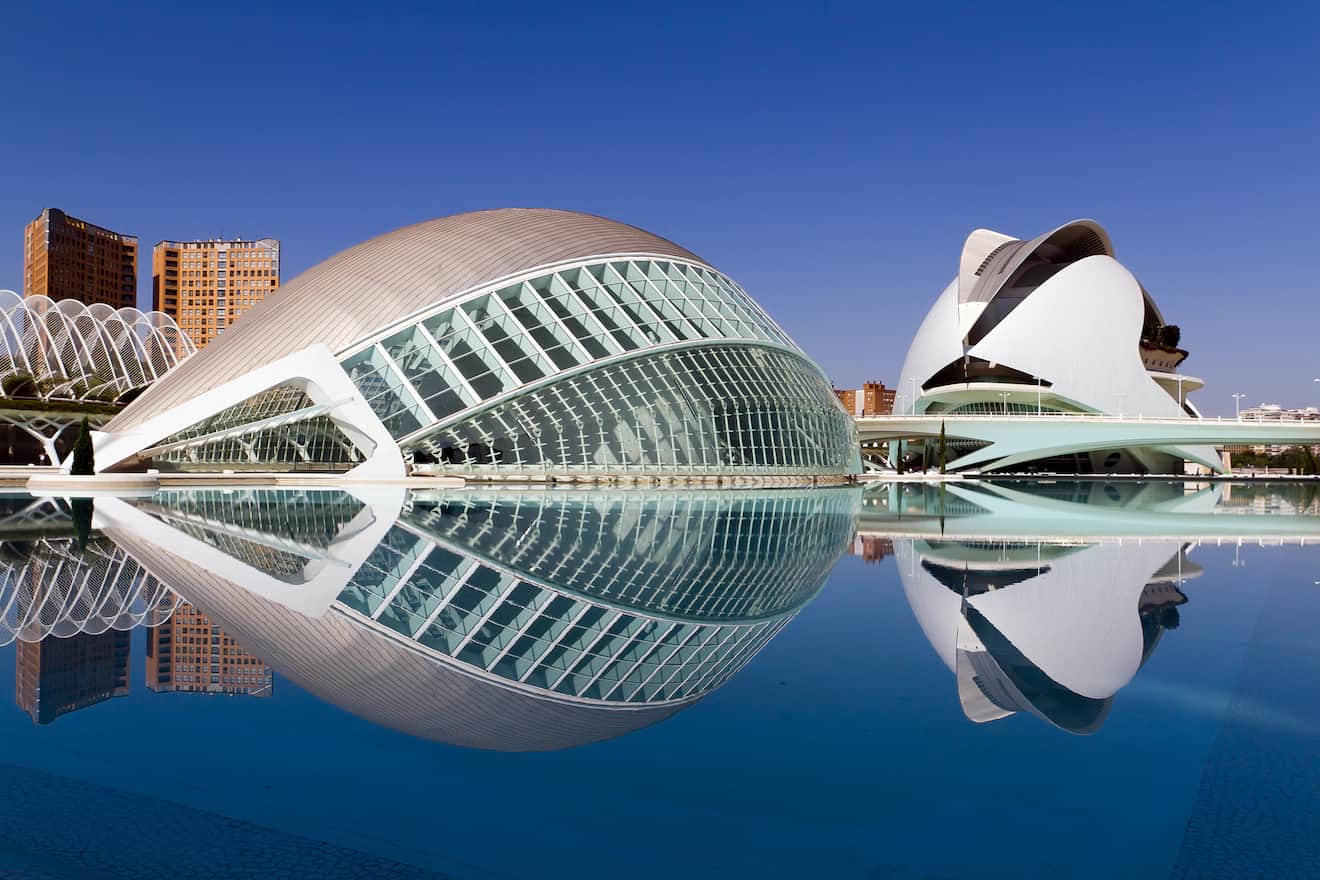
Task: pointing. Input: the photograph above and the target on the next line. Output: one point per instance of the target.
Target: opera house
(507, 342)
(1051, 326)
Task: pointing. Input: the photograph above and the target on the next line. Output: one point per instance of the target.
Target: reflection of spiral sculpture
(540, 620)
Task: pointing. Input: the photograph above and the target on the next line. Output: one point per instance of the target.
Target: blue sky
(830, 158)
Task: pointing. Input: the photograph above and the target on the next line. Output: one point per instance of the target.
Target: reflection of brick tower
(57, 676)
(871, 548)
(190, 654)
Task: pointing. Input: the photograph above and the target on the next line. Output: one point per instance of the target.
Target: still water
(994, 680)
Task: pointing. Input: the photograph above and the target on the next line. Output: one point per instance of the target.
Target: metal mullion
(449, 363)
(498, 304)
(573, 343)
(607, 303)
(713, 631)
(587, 651)
(535, 664)
(735, 640)
(613, 660)
(485, 617)
(696, 629)
(462, 579)
(487, 347)
(745, 647)
(641, 302)
(402, 377)
(696, 307)
(604, 336)
(543, 598)
(655, 646)
(682, 316)
(403, 580)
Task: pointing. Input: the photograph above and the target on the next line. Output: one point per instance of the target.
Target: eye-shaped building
(517, 341)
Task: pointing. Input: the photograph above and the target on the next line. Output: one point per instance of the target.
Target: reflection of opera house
(513, 621)
(1055, 630)
(511, 342)
(1048, 598)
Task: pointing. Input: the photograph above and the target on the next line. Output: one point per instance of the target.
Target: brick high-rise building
(205, 285)
(872, 399)
(56, 676)
(68, 258)
(190, 654)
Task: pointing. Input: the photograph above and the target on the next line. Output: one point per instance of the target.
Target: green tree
(944, 450)
(84, 457)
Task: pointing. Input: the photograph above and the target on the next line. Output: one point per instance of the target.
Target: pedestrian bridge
(1015, 438)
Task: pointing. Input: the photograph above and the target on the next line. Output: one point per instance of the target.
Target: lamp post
(1005, 395)
(1237, 405)
(912, 406)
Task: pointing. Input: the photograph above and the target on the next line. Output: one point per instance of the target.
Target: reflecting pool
(1009, 679)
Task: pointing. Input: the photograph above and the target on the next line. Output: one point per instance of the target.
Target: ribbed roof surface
(380, 281)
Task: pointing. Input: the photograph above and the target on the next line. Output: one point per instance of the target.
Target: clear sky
(830, 158)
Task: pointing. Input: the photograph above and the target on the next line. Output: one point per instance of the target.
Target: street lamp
(1005, 395)
(1237, 405)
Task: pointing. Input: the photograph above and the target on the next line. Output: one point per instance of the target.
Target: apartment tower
(205, 285)
(68, 258)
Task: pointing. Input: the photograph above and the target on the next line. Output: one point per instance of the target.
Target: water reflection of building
(518, 620)
(56, 676)
(191, 654)
(1055, 630)
(872, 548)
(69, 608)
(1047, 598)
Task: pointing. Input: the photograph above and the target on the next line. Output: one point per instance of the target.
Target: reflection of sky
(841, 750)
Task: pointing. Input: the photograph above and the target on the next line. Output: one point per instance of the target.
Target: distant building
(56, 676)
(1273, 412)
(190, 654)
(68, 258)
(205, 285)
(872, 548)
(872, 399)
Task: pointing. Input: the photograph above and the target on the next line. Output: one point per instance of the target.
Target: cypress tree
(944, 450)
(84, 461)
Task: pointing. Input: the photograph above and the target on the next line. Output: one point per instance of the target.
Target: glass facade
(279, 532)
(619, 365)
(285, 430)
(605, 597)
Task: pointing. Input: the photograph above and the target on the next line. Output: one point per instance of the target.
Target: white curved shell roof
(72, 351)
(381, 281)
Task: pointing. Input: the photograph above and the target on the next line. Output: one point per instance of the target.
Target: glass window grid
(684, 554)
(579, 648)
(496, 617)
(496, 341)
(695, 410)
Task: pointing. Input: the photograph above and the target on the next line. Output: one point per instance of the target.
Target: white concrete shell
(1050, 325)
